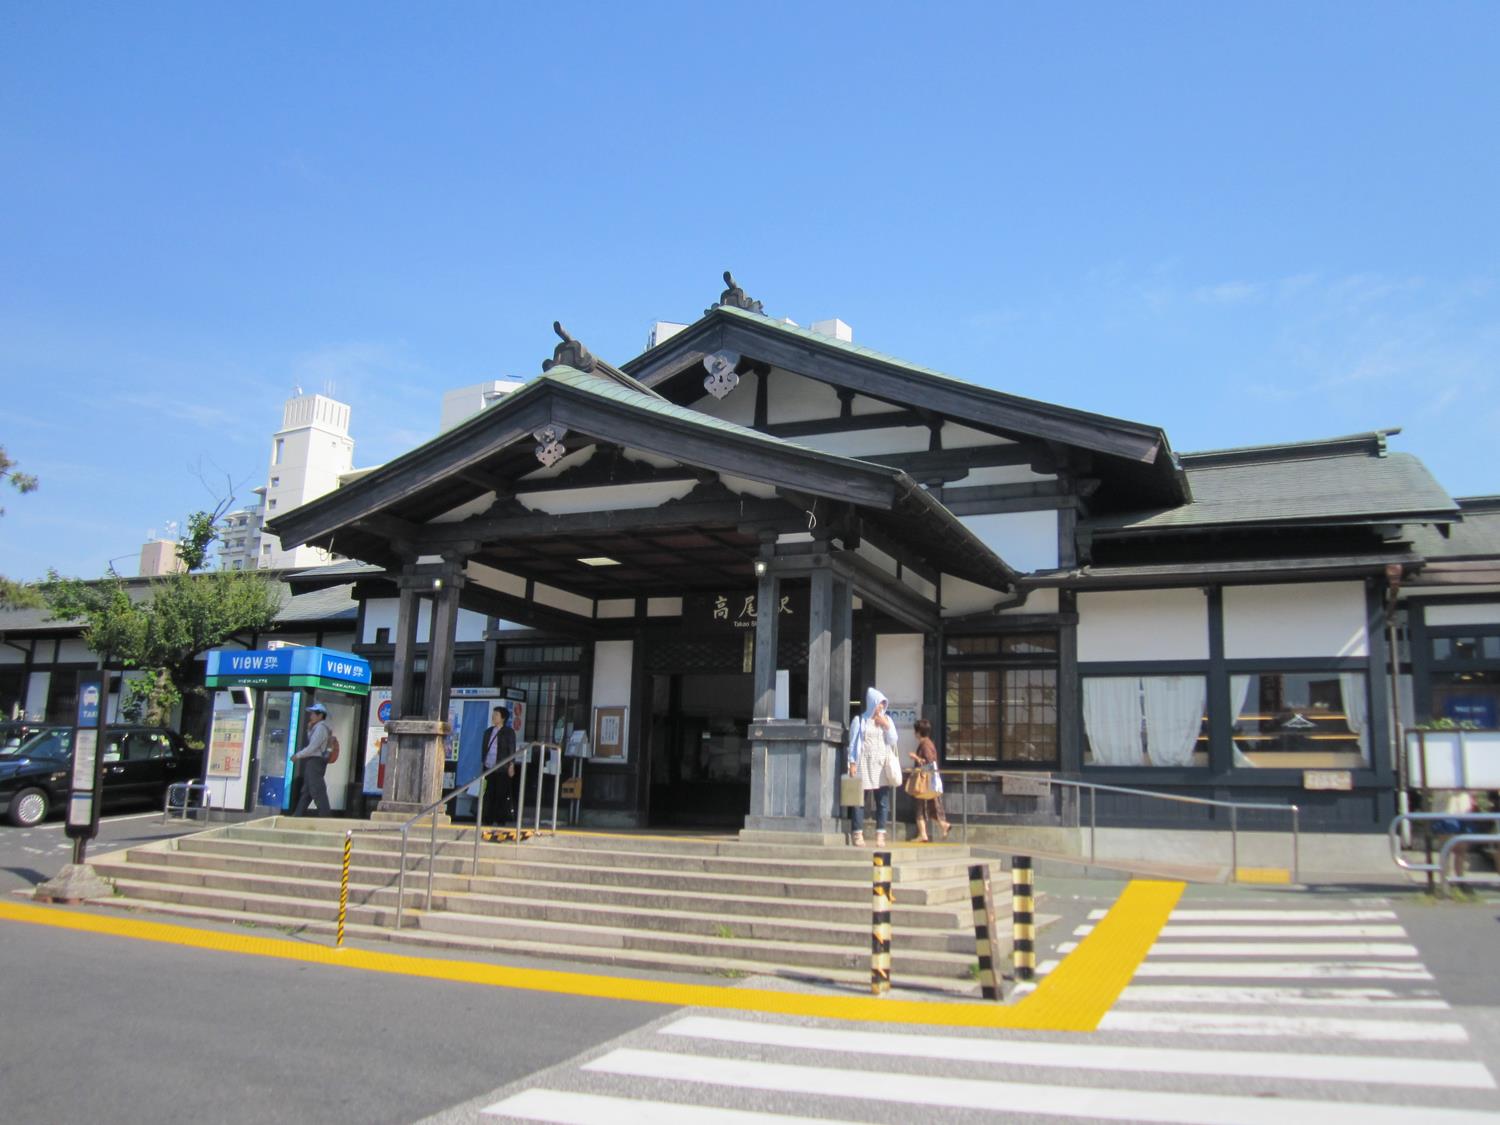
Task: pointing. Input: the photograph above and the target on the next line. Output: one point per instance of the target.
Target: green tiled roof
(1296, 489)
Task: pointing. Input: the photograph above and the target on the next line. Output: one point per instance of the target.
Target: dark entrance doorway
(700, 755)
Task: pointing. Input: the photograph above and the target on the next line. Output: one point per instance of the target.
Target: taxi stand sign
(82, 823)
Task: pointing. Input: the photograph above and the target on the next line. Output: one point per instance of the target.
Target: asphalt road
(29, 856)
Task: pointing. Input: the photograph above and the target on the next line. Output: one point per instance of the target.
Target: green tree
(168, 625)
(16, 594)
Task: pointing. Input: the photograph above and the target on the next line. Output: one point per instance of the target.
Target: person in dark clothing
(499, 789)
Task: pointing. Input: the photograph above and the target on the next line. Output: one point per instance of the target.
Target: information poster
(226, 747)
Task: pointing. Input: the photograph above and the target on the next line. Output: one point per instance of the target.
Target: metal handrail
(1458, 840)
(1095, 787)
(432, 808)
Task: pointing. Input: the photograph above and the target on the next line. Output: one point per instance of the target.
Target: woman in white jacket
(873, 759)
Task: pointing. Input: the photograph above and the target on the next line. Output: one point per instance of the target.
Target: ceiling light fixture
(600, 560)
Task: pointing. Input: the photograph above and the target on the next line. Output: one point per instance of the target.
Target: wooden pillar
(409, 607)
(767, 601)
(440, 647)
(819, 646)
(843, 652)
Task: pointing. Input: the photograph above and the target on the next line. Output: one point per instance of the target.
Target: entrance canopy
(590, 486)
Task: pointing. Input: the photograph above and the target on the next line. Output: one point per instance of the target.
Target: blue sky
(1245, 224)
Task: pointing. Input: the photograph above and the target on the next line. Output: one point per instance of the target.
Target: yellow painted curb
(1262, 875)
(1074, 997)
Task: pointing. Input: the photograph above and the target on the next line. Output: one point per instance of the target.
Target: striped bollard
(344, 886)
(1023, 918)
(984, 930)
(880, 928)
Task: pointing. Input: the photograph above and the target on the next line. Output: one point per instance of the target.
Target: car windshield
(42, 744)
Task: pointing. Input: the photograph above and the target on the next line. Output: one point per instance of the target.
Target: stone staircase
(700, 904)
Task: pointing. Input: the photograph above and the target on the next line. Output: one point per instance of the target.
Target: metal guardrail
(1094, 788)
(180, 796)
(520, 755)
(1443, 864)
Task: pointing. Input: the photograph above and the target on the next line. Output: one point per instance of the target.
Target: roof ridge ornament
(734, 297)
(570, 352)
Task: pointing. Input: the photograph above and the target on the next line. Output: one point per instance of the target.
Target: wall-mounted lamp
(437, 583)
(760, 568)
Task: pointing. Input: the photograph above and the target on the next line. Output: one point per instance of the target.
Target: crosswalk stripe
(1317, 1027)
(1253, 948)
(1269, 930)
(1382, 998)
(1284, 970)
(1089, 1102)
(1192, 915)
(1173, 1060)
(569, 1108)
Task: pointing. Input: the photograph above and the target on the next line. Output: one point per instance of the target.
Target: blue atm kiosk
(260, 702)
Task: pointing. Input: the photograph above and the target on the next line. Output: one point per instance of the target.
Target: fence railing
(1094, 788)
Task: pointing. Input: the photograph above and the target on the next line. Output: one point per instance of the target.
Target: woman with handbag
(925, 785)
(873, 759)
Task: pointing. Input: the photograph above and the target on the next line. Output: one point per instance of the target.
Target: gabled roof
(494, 450)
(1139, 459)
(1339, 481)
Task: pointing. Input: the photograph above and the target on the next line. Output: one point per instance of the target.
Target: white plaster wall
(616, 607)
(612, 662)
(1143, 625)
(875, 555)
(1300, 619)
(898, 673)
(1002, 474)
(1463, 614)
(562, 599)
(36, 695)
(74, 651)
(1040, 601)
(492, 579)
(744, 487)
(956, 436)
(663, 607)
(614, 498)
(475, 507)
(381, 613)
(961, 596)
(10, 655)
(1026, 540)
(861, 443)
(796, 398)
(916, 582)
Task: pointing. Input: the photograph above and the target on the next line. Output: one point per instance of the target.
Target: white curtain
(1239, 696)
(1356, 709)
(1174, 717)
(1112, 717)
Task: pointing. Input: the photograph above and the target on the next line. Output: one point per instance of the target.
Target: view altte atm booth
(259, 722)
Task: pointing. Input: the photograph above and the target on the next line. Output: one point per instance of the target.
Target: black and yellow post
(344, 886)
(880, 928)
(1023, 918)
(984, 931)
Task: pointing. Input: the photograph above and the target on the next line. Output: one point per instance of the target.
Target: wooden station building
(701, 557)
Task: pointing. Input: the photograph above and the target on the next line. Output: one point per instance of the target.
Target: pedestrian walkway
(1235, 1017)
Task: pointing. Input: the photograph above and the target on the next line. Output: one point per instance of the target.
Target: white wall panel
(562, 599)
(961, 596)
(616, 607)
(75, 652)
(612, 662)
(612, 499)
(1464, 614)
(1296, 620)
(380, 613)
(471, 626)
(1143, 625)
(898, 673)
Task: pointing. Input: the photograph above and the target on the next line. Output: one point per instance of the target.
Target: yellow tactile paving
(1074, 997)
(1262, 875)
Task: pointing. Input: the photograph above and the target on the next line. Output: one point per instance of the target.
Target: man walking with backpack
(314, 758)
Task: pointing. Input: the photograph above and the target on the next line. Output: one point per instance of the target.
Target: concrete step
(910, 916)
(517, 864)
(856, 980)
(264, 902)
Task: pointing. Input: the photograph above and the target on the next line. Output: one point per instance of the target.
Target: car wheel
(29, 807)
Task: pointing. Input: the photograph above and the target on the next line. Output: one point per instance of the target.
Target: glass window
(1300, 720)
(1145, 721)
(973, 646)
(1001, 714)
